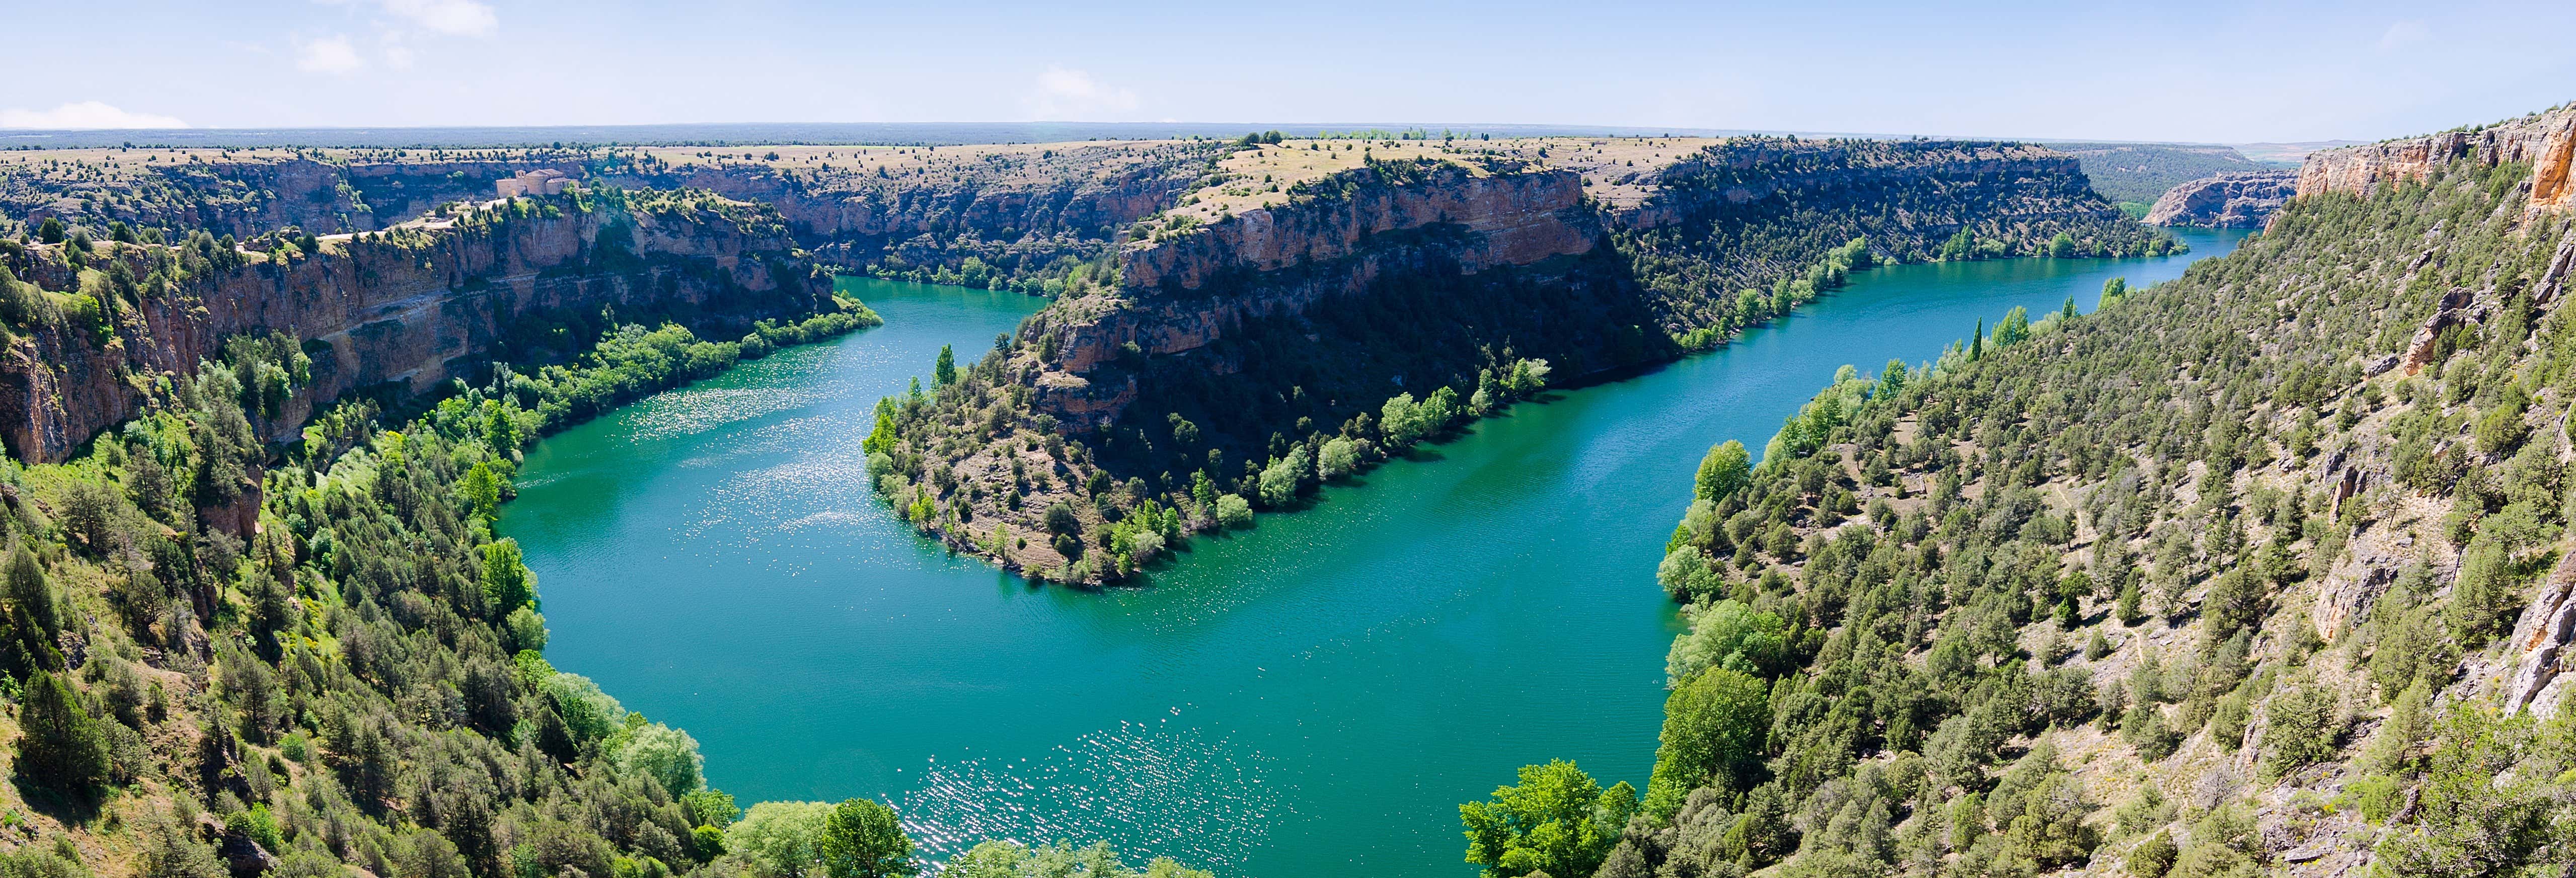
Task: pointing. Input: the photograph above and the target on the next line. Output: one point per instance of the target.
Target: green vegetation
(1881, 674)
(2134, 175)
(1727, 266)
(1556, 820)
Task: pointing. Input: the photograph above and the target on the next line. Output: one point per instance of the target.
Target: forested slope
(2254, 572)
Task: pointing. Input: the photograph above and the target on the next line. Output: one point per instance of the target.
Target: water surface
(1314, 696)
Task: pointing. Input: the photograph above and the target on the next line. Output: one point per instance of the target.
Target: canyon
(1307, 281)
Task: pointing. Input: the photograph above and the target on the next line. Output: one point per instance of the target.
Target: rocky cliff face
(1178, 296)
(409, 311)
(1014, 210)
(1737, 215)
(1980, 180)
(2546, 140)
(2226, 201)
(249, 196)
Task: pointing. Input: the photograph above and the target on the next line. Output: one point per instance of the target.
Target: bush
(2152, 858)
(1233, 512)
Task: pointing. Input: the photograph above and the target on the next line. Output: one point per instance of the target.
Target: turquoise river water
(1313, 696)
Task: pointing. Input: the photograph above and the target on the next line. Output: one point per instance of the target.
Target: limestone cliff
(2546, 140)
(404, 311)
(1360, 232)
(2226, 201)
(1015, 209)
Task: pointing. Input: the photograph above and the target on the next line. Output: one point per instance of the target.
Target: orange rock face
(2546, 140)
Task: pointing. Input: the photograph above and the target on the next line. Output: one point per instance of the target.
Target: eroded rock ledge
(2225, 201)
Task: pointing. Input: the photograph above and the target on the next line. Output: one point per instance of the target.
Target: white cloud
(84, 115)
(2402, 33)
(1068, 94)
(397, 55)
(459, 17)
(332, 54)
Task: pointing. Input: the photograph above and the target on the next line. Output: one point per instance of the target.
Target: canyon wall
(405, 312)
(1180, 295)
(251, 196)
(2546, 140)
(2226, 201)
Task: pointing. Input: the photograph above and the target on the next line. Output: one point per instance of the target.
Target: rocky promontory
(2225, 201)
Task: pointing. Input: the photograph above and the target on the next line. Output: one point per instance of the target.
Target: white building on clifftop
(544, 181)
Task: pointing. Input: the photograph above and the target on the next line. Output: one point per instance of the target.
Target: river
(1313, 696)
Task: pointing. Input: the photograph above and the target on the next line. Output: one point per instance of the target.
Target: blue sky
(2226, 72)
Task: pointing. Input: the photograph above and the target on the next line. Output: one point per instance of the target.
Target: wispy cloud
(1064, 93)
(2403, 33)
(333, 55)
(399, 26)
(458, 17)
(84, 115)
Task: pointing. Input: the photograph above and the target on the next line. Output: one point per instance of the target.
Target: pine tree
(35, 624)
(60, 746)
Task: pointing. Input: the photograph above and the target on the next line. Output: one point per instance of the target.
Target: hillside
(2255, 572)
(2134, 175)
(1322, 305)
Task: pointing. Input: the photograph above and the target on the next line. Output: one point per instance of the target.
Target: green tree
(33, 615)
(1281, 479)
(2128, 611)
(60, 746)
(1233, 512)
(944, 371)
(2062, 246)
(2015, 327)
(1724, 470)
(1557, 820)
(664, 755)
(881, 439)
(1341, 458)
(1732, 635)
(1714, 726)
(862, 839)
(481, 490)
(506, 580)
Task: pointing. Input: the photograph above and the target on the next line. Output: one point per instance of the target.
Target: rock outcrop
(2547, 140)
(402, 311)
(1180, 295)
(2538, 654)
(2226, 201)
